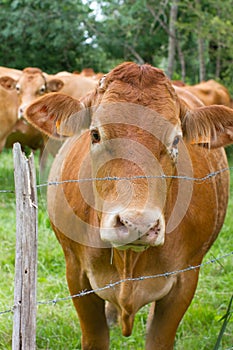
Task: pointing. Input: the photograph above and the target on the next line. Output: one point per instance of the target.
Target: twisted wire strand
(134, 279)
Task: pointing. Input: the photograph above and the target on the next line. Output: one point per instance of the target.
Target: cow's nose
(148, 232)
(134, 227)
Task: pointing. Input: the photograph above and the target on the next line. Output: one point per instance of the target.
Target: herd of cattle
(18, 89)
(139, 217)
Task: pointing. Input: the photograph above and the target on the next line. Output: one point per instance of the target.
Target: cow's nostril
(120, 222)
(123, 221)
(121, 227)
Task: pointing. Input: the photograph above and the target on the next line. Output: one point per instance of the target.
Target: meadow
(57, 323)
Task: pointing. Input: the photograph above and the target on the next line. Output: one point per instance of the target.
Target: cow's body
(26, 135)
(91, 268)
(120, 230)
(210, 92)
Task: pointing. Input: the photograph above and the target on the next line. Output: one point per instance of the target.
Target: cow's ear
(58, 115)
(7, 82)
(210, 125)
(54, 85)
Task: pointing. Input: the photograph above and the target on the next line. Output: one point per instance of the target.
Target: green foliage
(73, 34)
(211, 20)
(46, 34)
(127, 31)
(226, 319)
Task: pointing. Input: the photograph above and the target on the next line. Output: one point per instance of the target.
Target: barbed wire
(7, 311)
(131, 178)
(7, 191)
(130, 279)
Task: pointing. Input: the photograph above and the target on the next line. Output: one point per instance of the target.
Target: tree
(127, 30)
(204, 28)
(48, 34)
(172, 37)
(73, 34)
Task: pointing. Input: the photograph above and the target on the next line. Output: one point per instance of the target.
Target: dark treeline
(190, 40)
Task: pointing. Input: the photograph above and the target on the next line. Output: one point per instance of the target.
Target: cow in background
(8, 102)
(34, 83)
(89, 72)
(151, 222)
(209, 92)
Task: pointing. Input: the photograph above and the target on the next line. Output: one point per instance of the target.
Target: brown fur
(210, 92)
(137, 115)
(32, 70)
(8, 113)
(211, 120)
(8, 102)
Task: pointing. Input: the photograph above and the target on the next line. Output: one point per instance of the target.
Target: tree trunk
(182, 62)
(201, 54)
(218, 53)
(172, 38)
(218, 63)
(201, 47)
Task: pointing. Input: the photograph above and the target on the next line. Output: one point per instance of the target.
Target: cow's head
(33, 83)
(136, 128)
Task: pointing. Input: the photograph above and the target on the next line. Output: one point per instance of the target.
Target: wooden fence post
(24, 327)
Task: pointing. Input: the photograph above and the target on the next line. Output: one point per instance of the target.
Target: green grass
(57, 325)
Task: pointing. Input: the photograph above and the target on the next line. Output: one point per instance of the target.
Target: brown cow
(210, 92)
(8, 102)
(20, 131)
(137, 217)
(34, 83)
(8, 113)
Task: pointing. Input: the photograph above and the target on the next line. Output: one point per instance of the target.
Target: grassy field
(57, 324)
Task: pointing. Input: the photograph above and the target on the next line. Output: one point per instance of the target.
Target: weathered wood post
(24, 327)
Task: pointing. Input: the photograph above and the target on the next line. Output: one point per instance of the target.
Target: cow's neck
(125, 262)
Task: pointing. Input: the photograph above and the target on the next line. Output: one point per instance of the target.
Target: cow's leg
(168, 312)
(111, 314)
(90, 309)
(95, 333)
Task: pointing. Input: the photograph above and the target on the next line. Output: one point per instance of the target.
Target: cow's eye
(176, 141)
(173, 151)
(17, 87)
(95, 136)
(42, 90)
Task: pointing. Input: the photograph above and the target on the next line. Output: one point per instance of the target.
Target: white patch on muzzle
(133, 229)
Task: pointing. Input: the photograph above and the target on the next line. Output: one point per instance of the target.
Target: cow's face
(33, 84)
(136, 144)
(138, 132)
(29, 87)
